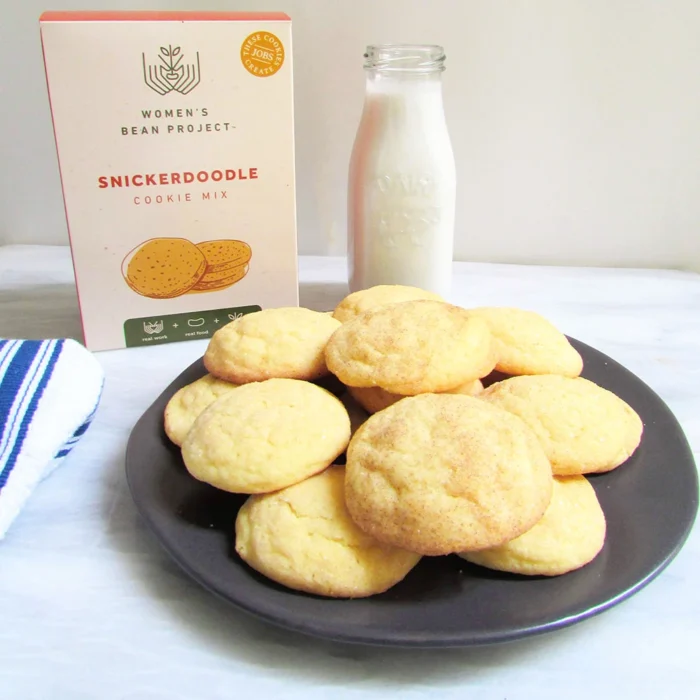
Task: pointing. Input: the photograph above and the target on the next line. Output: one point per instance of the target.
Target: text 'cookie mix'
(464, 432)
(175, 142)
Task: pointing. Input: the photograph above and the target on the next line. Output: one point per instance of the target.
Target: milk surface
(402, 187)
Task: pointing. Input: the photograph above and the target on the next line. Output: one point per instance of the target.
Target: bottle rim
(405, 58)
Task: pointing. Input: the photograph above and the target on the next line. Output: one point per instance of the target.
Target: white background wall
(576, 123)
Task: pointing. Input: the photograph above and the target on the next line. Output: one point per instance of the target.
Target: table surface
(90, 607)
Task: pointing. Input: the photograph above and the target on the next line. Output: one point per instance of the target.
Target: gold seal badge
(262, 54)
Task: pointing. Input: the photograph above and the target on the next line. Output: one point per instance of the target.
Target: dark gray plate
(650, 504)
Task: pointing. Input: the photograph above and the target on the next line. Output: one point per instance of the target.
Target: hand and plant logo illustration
(152, 327)
(169, 73)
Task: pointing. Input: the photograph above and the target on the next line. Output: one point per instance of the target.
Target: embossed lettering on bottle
(405, 210)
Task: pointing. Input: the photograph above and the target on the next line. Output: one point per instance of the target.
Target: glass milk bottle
(402, 184)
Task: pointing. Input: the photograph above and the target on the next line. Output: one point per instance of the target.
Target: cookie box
(175, 141)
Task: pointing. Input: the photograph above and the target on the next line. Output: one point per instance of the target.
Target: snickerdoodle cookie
(266, 435)
(374, 399)
(412, 347)
(582, 427)
(570, 534)
(304, 538)
(527, 343)
(187, 403)
(288, 342)
(380, 295)
(443, 473)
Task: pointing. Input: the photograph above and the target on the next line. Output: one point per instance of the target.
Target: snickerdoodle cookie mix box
(175, 141)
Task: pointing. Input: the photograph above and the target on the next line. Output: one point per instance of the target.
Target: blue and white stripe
(49, 393)
(25, 370)
(75, 437)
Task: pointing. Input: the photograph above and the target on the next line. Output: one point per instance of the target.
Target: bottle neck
(405, 74)
(406, 60)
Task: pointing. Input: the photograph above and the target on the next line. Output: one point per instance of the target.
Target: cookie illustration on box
(227, 263)
(165, 268)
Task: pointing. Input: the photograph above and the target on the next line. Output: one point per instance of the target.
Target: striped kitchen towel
(49, 392)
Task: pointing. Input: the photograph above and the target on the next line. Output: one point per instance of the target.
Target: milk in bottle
(402, 184)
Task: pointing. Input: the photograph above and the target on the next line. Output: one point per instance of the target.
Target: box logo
(171, 74)
(262, 54)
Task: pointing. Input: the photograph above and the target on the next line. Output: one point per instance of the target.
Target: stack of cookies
(436, 464)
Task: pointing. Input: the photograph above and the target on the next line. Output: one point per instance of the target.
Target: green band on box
(173, 328)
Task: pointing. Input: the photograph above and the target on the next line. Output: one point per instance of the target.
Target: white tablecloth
(90, 607)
